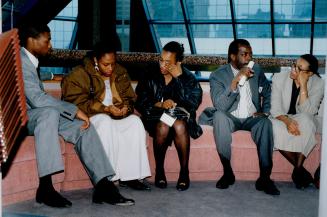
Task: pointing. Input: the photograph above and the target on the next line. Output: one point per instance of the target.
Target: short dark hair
(176, 48)
(234, 45)
(313, 63)
(103, 47)
(31, 31)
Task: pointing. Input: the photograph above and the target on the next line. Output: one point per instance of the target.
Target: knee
(136, 120)
(49, 114)
(219, 117)
(306, 121)
(264, 123)
(180, 127)
(162, 129)
(102, 122)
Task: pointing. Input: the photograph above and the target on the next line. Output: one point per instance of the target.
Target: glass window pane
(321, 8)
(123, 28)
(320, 39)
(172, 32)
(61, 33)
(292, 39)
(204, 10)
(257, 10)
(258, 35)
(165, 10)
(123, 33)
(295, 10)
(212, 38)
(70, 10)
(123, 8)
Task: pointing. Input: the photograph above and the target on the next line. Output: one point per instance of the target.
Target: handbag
(155, 113)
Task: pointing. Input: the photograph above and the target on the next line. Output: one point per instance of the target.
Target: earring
(96, 67)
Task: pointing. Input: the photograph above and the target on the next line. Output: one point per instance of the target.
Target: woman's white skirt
(124, 143)
(302, 143)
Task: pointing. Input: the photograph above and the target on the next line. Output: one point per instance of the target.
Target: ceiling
(16, 12)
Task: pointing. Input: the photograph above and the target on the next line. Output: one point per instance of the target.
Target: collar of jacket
(89, 67)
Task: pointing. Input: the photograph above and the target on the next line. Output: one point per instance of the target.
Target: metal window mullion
(73, 40)
(189, 31)
(148, 17)
(238, 22)
(313, 14)
(65, 18)
(272, 25)
(231, 5)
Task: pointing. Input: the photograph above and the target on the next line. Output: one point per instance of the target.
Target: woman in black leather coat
(174, 86)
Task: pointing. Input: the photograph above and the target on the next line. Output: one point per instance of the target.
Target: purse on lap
(155, 113)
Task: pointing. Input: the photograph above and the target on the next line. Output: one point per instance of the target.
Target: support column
(96, 22)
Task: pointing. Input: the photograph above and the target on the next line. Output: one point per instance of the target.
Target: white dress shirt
(245, 107)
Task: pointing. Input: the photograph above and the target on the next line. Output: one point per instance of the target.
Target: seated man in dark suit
(50, 118)
(239, 106)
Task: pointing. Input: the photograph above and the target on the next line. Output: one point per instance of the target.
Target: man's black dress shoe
(107, 192)
(266, 185)
(225, 181)
(51, 197)
(135, 184)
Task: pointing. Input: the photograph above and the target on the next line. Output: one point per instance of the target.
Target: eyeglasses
(298, 69)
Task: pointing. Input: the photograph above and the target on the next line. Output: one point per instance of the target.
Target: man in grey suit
(50, 118)
(241, 107)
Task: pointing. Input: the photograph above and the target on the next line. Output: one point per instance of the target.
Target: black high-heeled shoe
(183, 182)
(301, 178)
(160, 180)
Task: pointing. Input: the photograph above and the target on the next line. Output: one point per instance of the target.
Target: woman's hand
(168, 104)
(124, 110)
(175, 70)
(115, 111)
(292, 127)
(303, 78)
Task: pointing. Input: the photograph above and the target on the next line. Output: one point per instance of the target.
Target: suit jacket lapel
(30, 65)
(230, 74)
(254, 89)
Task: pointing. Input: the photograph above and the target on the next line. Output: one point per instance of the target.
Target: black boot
(106, 191)
(228, 177)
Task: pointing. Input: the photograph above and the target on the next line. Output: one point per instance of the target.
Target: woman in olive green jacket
(102, 89)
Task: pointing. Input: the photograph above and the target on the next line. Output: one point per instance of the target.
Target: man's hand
(248, 72)
(259, 114)
(57, 78)
(82, 116)
(245, 71)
